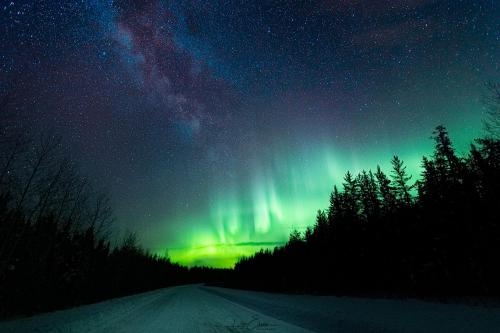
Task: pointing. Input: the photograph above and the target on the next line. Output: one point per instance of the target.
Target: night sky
(220, 126)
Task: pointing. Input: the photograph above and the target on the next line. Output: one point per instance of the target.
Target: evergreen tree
(350, 197)
(321, 221)
(385, 191)
(492, 102)
(401, 187)
(368, 193)
(429, 183)
(335, 210)
(447, 163)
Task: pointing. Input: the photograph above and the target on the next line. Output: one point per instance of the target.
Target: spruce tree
(385, 191)
(401, 179)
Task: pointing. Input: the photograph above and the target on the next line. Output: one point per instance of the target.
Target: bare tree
(47, 190)
(40, 159)
(101, 215)
(13, 141)
(36, 164)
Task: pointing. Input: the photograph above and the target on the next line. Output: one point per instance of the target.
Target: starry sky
(220, 126)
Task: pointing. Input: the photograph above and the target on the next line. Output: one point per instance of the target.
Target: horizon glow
(285, 197)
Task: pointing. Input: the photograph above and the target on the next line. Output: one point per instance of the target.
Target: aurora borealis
(220, 126)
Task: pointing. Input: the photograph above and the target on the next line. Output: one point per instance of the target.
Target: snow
(178, 309)
(350, 314)
(197, 308)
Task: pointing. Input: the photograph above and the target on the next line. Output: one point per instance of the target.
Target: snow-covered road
(197, 308)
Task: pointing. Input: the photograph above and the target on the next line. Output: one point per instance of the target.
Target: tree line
(390, 234)
(55, 237)
(382, 233)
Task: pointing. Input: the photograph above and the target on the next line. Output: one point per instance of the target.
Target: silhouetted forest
(389, 234)
(382, 233)
(55, 248)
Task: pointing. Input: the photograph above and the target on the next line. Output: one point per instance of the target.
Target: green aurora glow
(218, 127)
(287, 194)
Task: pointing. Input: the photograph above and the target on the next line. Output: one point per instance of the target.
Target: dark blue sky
(206, 120)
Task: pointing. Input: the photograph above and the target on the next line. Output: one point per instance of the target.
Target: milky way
(220, 126)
